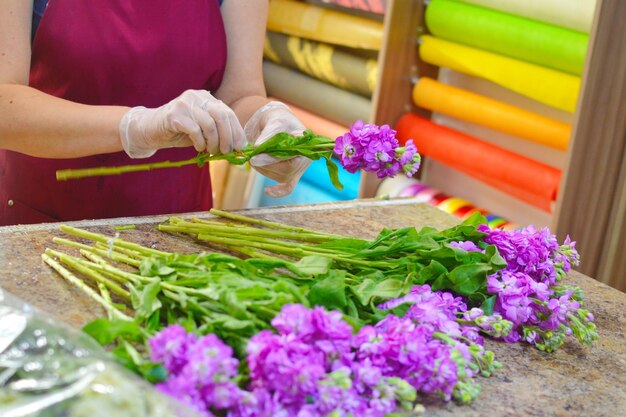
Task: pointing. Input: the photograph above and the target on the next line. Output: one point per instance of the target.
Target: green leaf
(370, 291)
(106, 331)
(314, 265)
(277, 141)
(434, 274)
(153, 372)
(345, 245)
(488, 305)
(469, 279)
(149, 302)
(233, 306)
(330, 291)
(333, 173)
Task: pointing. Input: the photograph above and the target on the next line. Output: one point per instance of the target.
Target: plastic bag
(48, 369)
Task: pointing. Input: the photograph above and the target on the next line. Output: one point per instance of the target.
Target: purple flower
(559, 309)
(408, 152)
(185, 390)
(349, 152)
(467, 246)
(201, 370)
(527, 290)
(378, 153)
(376, 149)
(170, 347)
(210, 361)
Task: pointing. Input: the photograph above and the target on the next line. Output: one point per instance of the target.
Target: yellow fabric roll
(494, 114)
(312, 22)
(452, 204)
(548, 86)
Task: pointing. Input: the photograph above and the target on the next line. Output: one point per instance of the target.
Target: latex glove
(273, 118)
(193, 118)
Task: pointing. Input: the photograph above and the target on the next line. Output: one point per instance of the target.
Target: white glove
(273, 118)
(193, 118)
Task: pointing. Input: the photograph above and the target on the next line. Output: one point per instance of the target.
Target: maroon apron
(116, 52)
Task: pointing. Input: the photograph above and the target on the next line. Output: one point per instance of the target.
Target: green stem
(71, 243)
(68, 174)
(199, 226)
(104, 267)
(72, 262)
(220, 240)
(85, 288)
(128, 252)
(99, 250)
(245, 219)
(110, 241)
(246, 241)
(114, 256)
(290, 249)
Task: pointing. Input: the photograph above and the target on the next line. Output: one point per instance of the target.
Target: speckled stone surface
(574, 381)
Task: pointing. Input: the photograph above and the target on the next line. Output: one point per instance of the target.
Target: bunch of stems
(124, 279)
(280, 239)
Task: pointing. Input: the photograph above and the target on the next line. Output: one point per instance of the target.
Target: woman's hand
(269, 120)
(194, 118)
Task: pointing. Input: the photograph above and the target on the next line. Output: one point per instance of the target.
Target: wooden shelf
(591, 206)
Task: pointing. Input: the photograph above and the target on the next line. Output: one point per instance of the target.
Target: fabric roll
(494, 114)
(324, 62)
(372, 6)
(412, 190)
(323, 25)
(323, 99)
(546, 85)
(452, 205)
(317, 124)
(395, 187)
(516, 175)
(518, 37)
(572, 14)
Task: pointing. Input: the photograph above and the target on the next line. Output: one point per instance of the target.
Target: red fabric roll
(524, 178)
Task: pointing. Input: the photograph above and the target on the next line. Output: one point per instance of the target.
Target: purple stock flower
(201, 370)
(315, 366)
(349, 152)
(376, 149)
(170, 347)
(525, 289)
(559, 309)
(467, 246)
(408, 152)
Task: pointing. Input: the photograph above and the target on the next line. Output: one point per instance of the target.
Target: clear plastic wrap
(48, 369)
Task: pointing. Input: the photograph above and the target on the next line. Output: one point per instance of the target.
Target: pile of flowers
(312, 364)
(376, 149)
(529, 292)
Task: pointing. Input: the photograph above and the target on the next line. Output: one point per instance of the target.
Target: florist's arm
(38, 124)
(243, 89)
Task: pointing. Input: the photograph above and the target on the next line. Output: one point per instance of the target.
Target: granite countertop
(574, 381)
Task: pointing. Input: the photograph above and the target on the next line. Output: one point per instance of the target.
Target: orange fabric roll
(526, 179)
(494, 114)
(317, 124)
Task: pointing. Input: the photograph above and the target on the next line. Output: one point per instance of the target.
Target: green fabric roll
(324, 62)
(323, 99)
(514, 36)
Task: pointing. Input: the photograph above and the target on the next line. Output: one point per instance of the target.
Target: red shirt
(116, 52)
